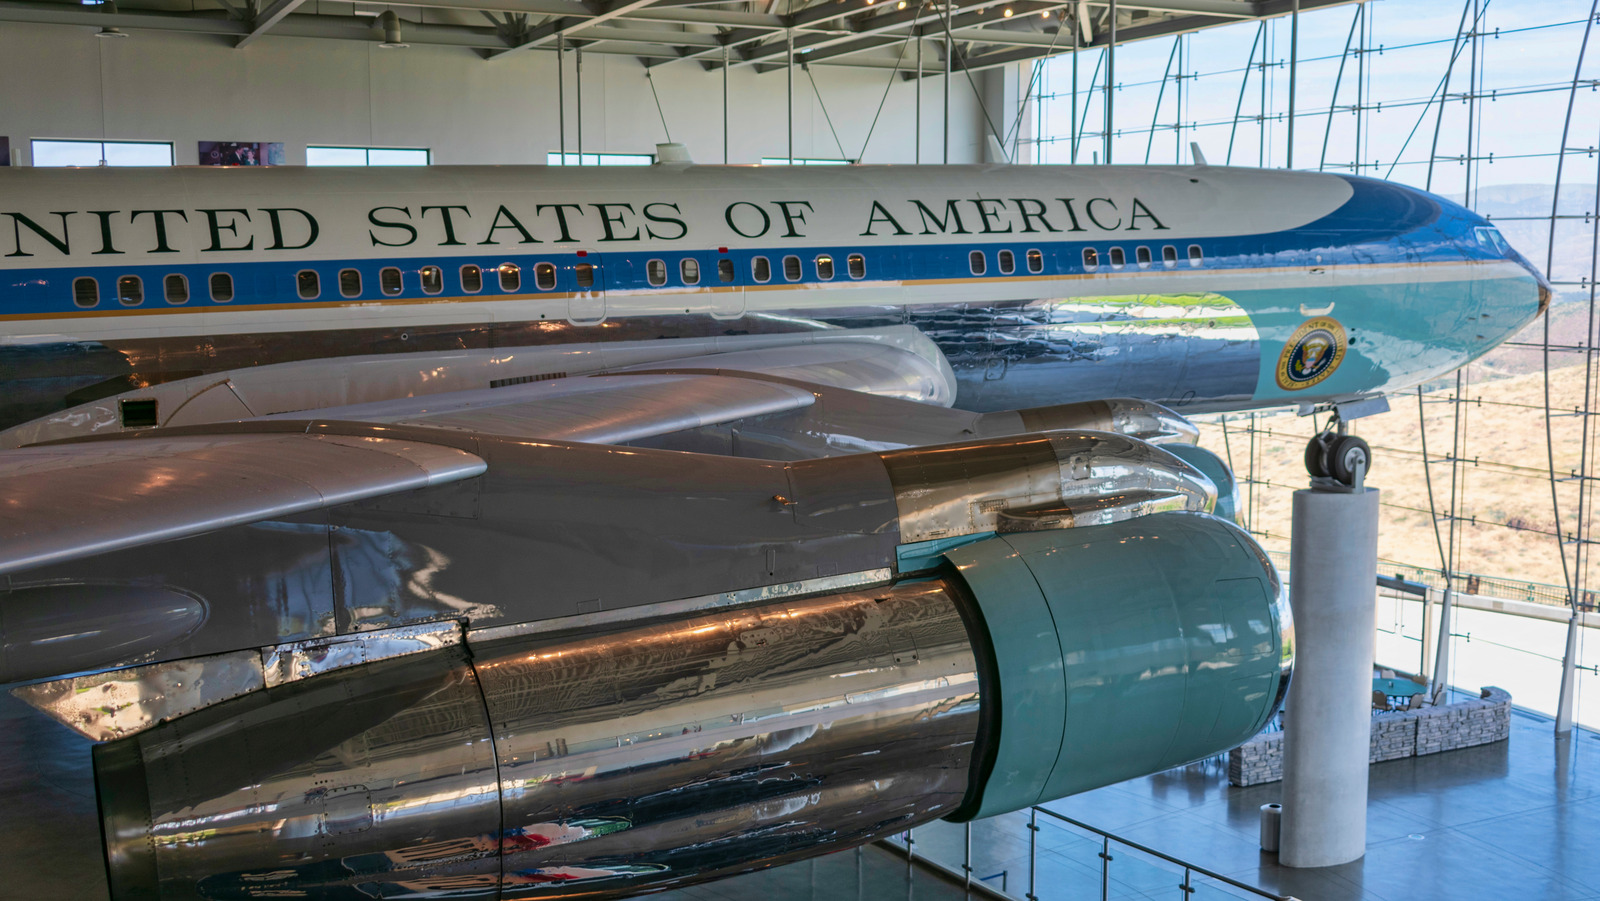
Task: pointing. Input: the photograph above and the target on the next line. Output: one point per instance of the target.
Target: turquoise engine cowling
(1119, 650)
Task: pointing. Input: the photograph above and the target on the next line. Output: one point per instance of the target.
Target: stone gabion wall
(1409, 733)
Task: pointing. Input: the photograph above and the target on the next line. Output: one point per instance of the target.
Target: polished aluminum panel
(1124, 415)
(69, 501)
(63, 627)
(1044, 480)
(105, 706)
(304, 659)
(669, 754)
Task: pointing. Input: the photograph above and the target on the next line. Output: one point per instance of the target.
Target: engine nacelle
(523, 765)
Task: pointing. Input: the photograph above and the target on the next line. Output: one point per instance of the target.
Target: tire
(1345, 454)
(1315, 455)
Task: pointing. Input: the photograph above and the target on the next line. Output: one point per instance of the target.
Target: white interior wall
(62, 82)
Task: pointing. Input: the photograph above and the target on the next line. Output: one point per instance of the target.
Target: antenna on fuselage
(1199, 157)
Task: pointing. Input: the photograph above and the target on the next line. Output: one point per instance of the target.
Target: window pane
(1169, 256)
(350, 283)
(791, 268)
(544, 276)
(307, 284)
(825, 267)
(89, 153)
(177, 289)
(130, 291)
(141, 154)
(857, 264)
(1091, 259)
(85, 292)
(689, 268)
(761, 268)
(725, 270)
(378, 156)
(1035, 261)
(655, 271)
(975, 261)
(1117, 258)
(1142, 254)
(510, 277)
(221, 287)
(66, 153)
(599, 159)
(471, 279)
(1008, 262)
(584, 273)
(432, 279)
(336, 156)
(1195, 257)
(390, 281)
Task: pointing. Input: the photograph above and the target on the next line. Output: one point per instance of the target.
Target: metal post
(1073, 134)
(724, 104)
(1033, 852)
(1105, 868)
(1294, 67)
(1424, 667)
(947, 48)
(1111, 65)
(1333, 561)
(578, 68)
(790, 101)
(911, 852)
(919, 99)
(966, 856)
(1569, 678)
(561, 91)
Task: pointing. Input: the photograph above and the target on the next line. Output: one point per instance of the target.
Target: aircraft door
(727, 299)
(587, 280)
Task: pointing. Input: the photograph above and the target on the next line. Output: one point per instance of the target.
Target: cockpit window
(1491, 238)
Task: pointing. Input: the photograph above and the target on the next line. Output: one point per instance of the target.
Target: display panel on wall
(5, 151)
(240, 153)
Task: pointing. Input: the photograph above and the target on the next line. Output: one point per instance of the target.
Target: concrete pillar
(1333, 563)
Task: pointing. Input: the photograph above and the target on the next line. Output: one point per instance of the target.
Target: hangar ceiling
(863, 33)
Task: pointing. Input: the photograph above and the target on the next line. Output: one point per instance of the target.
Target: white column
(1333, 565)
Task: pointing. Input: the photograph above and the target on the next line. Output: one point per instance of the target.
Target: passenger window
(349, 283)
(1035, 261)
(176, 288)
(856, 264)
(221, 287)
(510, 277)
(544, 276)
(1091, 259)
(791, 268)
(761, 269)
(1142, 254)
(390, 281)
(724, 271)
(1118, 260)
(432, 279)
(689, 270)
(976, 262)
(584, 274)
(655, 272)
(1195, 257)
(471, 279)
(85, 292)
(825, 267)
(307, 284)
(1008, 262)
(1169, 256)
(130, 290)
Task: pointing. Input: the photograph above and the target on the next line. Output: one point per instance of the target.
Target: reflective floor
(1514, 820)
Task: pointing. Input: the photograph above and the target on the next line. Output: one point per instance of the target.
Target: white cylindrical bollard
(1333, 562)
(1271, 825)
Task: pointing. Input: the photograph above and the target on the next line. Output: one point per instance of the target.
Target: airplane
(522, 532)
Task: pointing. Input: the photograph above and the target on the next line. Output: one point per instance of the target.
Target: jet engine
(1015, 667)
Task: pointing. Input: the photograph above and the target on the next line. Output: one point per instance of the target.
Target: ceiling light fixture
(1008, 12)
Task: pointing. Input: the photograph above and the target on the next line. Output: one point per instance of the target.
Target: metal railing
(1050, 862)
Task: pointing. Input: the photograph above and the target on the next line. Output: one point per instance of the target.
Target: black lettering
(790, 217)
(561, 217)
(160, 217)
(879, 214)
(372, 216)
(683, 229)
(1088, 209)
(105, 231)
(987, 214)
(1036, 213)
(277, 228)
(449, 222)
(18, 221)
(1139, 209)
(950, 212)
(232, 226)
(607, 220)
(766, 220)
(1071, 214)
(511, 222)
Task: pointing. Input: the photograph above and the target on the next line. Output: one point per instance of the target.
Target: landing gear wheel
(1346, 454)
(1317, 455)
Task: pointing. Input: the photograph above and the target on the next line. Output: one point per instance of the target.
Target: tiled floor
(1517, 820)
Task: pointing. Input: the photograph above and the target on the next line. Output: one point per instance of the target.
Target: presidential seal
(1311, 354)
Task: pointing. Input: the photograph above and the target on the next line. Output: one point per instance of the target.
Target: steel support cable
(983, 108)
(1033, 77)
(659, 111)
(806, 68)
(895, 73)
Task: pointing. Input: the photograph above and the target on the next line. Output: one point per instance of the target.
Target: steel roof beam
(879, 24)
(272, 15)
(567, 25)
(973, 16)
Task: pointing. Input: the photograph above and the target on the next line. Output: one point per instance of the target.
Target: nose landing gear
(1336, 459)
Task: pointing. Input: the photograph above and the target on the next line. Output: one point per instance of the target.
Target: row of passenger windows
(391, 281)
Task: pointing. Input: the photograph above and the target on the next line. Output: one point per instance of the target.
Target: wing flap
(66, 501)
